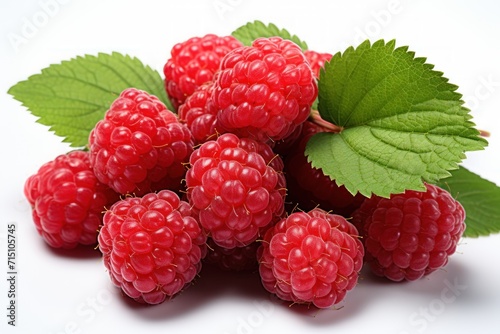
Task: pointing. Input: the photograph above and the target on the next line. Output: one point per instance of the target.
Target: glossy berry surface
(311, 257)
(152, 246)
(237, 186)
(412, 234)
(309, 187)
(139, 146)
(68, 201)
(264, 91)
(198, 112)
(193, 63)
(317, 60)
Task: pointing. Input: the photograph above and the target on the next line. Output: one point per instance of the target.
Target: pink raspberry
(264, 91)
(309, 187)
(317, 60)
(238, 188)
(140, 146)
(198, 112)
(193, 63)
(234, 259)
(311, 257)
(412, 234)
(152, 246)
(68, 201)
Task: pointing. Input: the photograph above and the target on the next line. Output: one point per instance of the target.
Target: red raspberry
(194, 63)
(317, 60)
(68, 201)
(264, 91)
(234, 259)
(199, 114)
(152, 246)
(412, 234)
(309, 187)
(237, 186)
(311, 257)
(139, 146)
(287, 145)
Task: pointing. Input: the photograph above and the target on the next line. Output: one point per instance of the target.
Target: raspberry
(412, 234)
(264, 91)
(139, 146)
(67, 200)
(317, 60)
(199, 114)
(194, 63)
(151, 246)
(237, 186)
(287, 145)
(235, 259)
(309, 187)
(312, 257)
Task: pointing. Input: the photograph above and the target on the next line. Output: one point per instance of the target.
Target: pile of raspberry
(223, 180)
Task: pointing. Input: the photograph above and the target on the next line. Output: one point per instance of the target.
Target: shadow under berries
(212, 285)
(80, 252)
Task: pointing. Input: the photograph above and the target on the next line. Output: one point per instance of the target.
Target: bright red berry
(238, 188)
(311, 257)
(412, 234)
(234, 259)
(198, 112)
(264, 91)
(139, 146)
(68, 201)
(152, 246)
(317, 60)
(309, 187)
(193, 63)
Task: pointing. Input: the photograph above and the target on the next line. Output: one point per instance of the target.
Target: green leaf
(480, 199)
(401, 122)
(252, 30)
(71, 97)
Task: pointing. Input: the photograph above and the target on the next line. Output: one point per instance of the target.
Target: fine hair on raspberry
(311, 257)
(264, 91)
(68, 201)
(410, 235)
(152, 246)
(199, 113)
(194, 63)
(237, 187)
(140, 146)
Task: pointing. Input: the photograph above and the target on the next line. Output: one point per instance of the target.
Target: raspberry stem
(315, 117)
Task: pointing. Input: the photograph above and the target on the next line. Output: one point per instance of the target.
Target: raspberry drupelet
(412, 234)
(152, 246)
(199, 113)
(311, 257)
(264, 91)
(309, 187)
(237, 187)
(68, 201)
(317, 60)
(140, 146)
(193, 63)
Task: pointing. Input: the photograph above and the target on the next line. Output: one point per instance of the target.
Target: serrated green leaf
(71, 97)
(402, 122)
(252, 30)
(480, 199)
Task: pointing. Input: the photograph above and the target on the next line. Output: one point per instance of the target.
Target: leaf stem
(315, 117)
(484, 133)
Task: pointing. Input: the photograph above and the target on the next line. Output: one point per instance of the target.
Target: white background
(70, 292)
